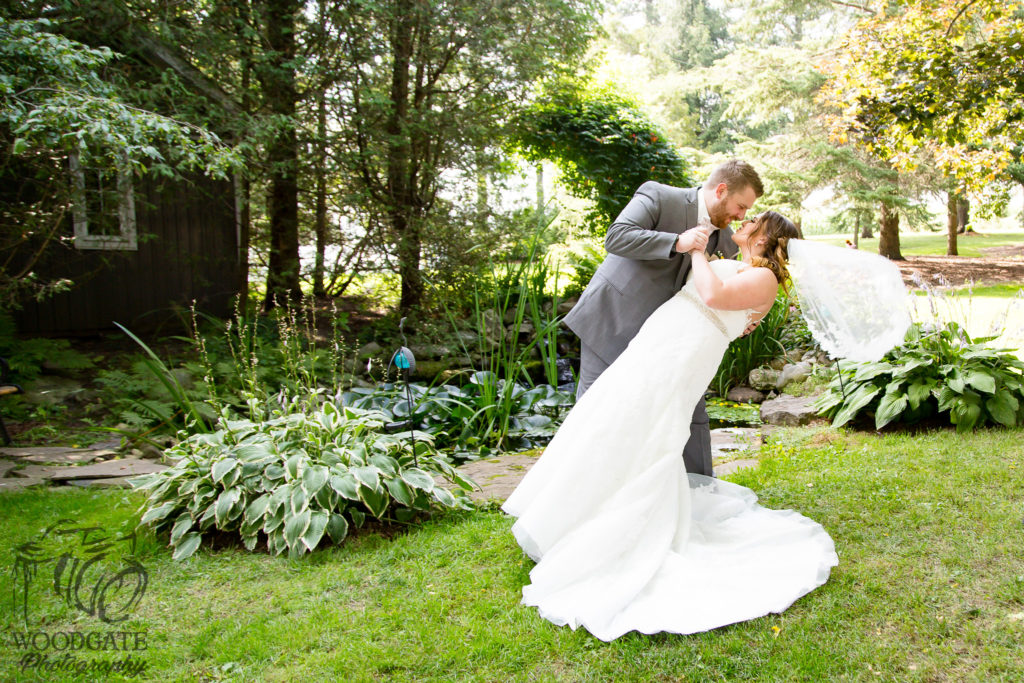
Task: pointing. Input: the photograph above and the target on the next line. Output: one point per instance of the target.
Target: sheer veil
(854, 302)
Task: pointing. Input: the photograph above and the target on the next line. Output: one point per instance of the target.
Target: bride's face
(749, 237)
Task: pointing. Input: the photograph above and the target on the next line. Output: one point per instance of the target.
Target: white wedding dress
(624, 539)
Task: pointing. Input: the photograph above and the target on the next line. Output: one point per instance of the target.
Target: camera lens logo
(87, 574)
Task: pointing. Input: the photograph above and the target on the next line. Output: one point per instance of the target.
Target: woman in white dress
(623, 537)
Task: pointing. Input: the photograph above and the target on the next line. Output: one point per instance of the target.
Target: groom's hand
(694, 239)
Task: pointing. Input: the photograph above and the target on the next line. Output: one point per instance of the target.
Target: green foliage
(26, 356)
(720, 409)
(762, 345)
(464, 418)
(584, 264)
(604, 145)
(293, 480)
(935, 76)
(935, 371)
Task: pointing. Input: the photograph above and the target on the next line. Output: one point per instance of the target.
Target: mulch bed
(1000, 265)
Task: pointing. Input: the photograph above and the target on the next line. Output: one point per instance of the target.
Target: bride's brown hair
(777, 230)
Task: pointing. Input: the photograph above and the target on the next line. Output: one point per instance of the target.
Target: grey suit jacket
(642, 270)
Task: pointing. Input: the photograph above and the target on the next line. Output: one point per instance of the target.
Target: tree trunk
(952, 224)
(277, 76)
(963, 214)
(867, 234)
(242, 229)
(889, 233)
(320, 225)
(400, 173)
(856, 229)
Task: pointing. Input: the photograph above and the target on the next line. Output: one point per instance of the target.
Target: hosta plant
(294, 479)
(935, 371)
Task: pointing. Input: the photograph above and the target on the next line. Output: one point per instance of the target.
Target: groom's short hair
(736, 174)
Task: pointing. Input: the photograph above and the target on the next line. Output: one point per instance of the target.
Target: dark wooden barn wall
(187, 250)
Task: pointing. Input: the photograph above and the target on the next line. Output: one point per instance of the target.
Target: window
(103, 208)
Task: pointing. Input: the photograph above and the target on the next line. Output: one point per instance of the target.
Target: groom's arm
(634, 233)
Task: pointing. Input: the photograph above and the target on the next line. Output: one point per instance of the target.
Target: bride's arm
(753, 288)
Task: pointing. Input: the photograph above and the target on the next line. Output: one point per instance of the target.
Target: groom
(648, 262)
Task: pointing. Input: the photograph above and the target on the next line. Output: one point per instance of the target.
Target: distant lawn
(934, 243)
(930, 586)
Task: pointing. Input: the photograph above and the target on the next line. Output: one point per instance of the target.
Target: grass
(930, 586)
(934, 243)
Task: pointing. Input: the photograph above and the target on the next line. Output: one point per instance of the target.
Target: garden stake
(841, 385)
(405, 361)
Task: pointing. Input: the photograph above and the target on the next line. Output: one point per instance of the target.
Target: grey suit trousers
(696, 453)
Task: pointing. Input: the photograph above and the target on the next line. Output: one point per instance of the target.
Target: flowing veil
(854, 302)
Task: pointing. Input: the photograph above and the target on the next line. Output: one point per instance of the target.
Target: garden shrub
(295, 478)
(935, 371)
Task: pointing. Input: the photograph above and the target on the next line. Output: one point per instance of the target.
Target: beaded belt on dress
(703, 308)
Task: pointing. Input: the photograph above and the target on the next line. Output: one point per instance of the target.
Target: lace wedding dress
(624, 539)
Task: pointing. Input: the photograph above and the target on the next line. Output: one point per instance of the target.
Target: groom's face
(727, 207)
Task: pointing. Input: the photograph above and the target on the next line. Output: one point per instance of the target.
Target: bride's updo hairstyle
(777, 231)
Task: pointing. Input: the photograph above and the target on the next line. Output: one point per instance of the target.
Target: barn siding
(187, 250)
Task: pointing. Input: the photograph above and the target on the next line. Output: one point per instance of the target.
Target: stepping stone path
(95, 466)
(499, 476)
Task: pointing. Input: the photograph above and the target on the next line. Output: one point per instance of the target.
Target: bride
(626, 540)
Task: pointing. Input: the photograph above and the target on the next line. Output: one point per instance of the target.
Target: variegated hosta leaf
(313, 478)
(417, 478)
(337, 528)
(376, 500)
(295, 526)
(346, 485)
(188, 545)
(317, 525)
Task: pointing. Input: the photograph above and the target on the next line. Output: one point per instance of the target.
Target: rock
(794, 355)
(467, 337)
(744, 395)
(527, 328)
(127, 467)
(5, 467)
(20, 483)
(368, 351)
(777, 364)
(731, 439)
(71, 456)
(150, 452)
(567, 305)
(53, 391)
(794, 372)
(763, 379)
(436, 351)
(791, 411)
(494, 329)
(497, 477)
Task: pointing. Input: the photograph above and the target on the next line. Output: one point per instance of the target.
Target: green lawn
(934, 243)
(930, 586)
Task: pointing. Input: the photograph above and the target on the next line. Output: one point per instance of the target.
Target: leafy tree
(423, 88)
(604, 145)
(939, 76)
(54, 103)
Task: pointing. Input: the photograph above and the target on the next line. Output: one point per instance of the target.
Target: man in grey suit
(647, 264)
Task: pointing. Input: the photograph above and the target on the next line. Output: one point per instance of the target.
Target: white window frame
(128, 240)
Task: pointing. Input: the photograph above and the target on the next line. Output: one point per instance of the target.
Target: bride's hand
(694, 239)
